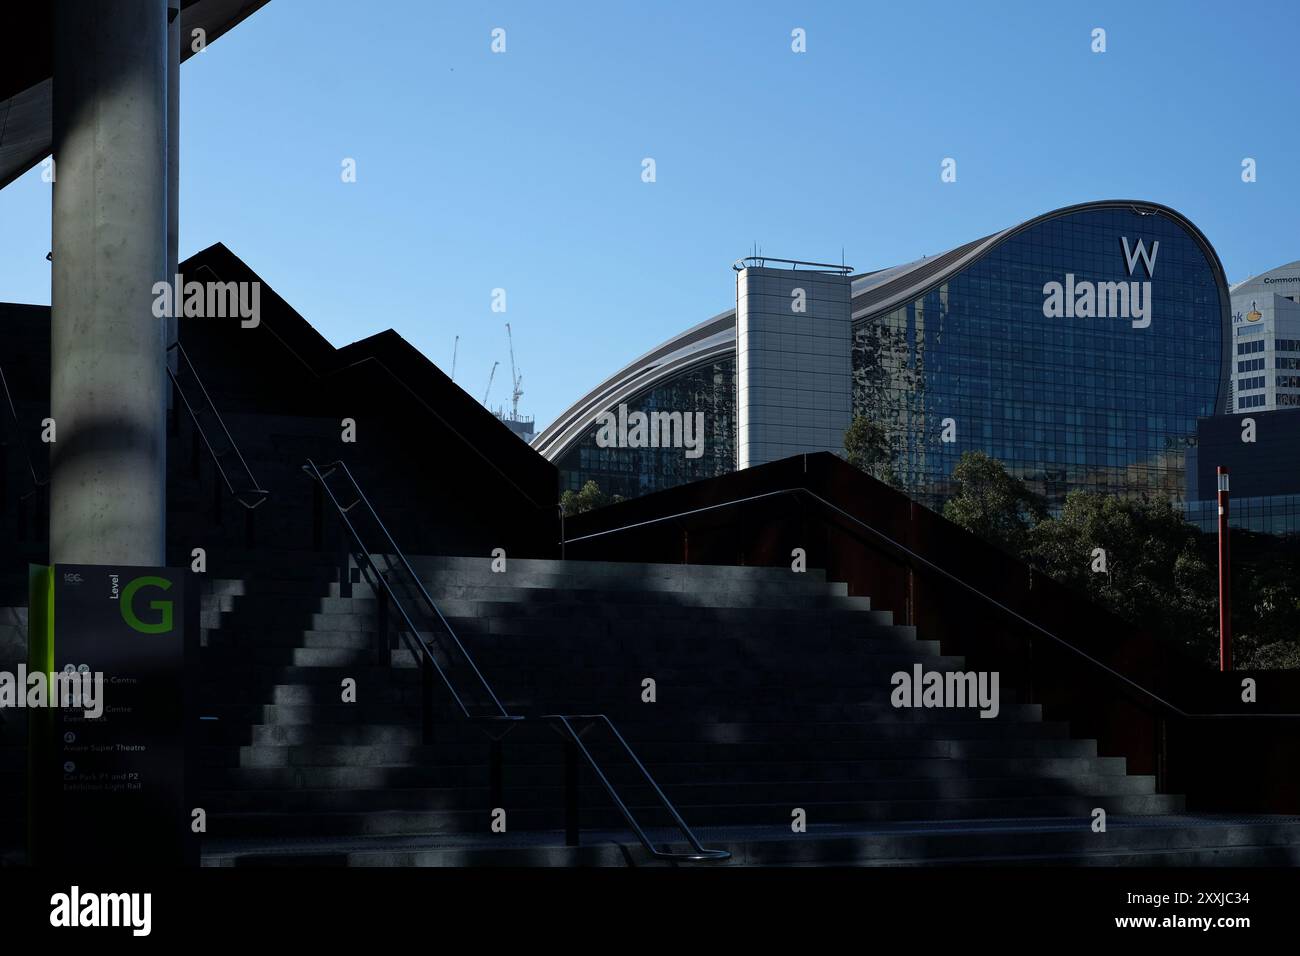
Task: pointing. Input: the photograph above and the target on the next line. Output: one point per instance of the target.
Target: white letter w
(1141, 252)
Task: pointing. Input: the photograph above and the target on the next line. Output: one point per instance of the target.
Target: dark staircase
(772, 694)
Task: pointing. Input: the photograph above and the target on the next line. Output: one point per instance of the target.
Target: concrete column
(173, 167)
(107, 395)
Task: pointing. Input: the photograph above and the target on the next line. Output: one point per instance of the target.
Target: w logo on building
(1106, 300)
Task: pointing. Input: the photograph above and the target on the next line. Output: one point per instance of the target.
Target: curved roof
(1288, 271)
(873, 294)
(696, 346)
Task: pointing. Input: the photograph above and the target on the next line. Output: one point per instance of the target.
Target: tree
(588, 499)
(1137, 557)
(867, 448)
(1265, 600)
(991, 503)
(1141, 560)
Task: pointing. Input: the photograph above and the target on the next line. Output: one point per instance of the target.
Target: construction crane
(516, 377)
(454, 349)
(491, 376)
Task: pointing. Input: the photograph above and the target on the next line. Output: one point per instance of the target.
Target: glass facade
(1102, 397)
(1064, 403)
(630, 472)
(1274, 514)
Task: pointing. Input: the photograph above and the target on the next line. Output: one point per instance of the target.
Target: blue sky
(522, 170)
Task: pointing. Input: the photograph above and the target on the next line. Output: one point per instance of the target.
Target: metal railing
(761, 261)
(498, 721)
(564, 723)
(418, 645)
(912, 558)
(250, 494)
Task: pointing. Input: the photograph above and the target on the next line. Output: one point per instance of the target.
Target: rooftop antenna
(517, 379)
(491, 375)
(454, 349)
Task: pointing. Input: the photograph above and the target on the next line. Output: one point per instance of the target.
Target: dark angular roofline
(417, 383)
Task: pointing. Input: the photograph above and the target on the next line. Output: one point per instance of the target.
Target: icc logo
(164, 608)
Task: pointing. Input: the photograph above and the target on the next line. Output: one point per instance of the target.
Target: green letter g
(128, 611)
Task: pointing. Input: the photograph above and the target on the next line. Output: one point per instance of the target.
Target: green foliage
(1265, 603)
(1154, 572)
(588, 499)
(1160, 572)
(866, 447)
(991, 503)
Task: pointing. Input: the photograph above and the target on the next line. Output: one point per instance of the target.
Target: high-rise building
(1079, 348)
(1266, 340)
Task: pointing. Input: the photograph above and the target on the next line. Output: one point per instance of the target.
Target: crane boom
(454, 349)
(516, 379)
(491, 376)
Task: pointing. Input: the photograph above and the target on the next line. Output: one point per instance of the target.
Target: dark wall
(444, 474)
(1270, 465)
(1137, 709)
(25, 364)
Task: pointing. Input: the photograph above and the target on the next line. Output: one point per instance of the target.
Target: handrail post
(426, 700)
(496, 784)
(196, 452)
(572, 833)
(345, 568)
(216, 495)
(382, 645)
(4, 485)
(317, 517)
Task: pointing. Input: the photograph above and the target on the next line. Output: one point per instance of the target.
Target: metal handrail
(699, 854)
(250, 497)
(943, 572)
(420, 645)
(37, 481)
(361, 498)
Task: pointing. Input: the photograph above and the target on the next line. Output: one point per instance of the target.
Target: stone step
(290, 824)
(676, 729)
(656, 753)
(539, 766)
(760, 703)
(549, 793)
(810, 714)
(520, 572)
(311, 602)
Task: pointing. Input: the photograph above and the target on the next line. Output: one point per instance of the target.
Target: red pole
(1225, 577)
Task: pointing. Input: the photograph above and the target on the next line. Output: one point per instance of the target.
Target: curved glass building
(1079, 348)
